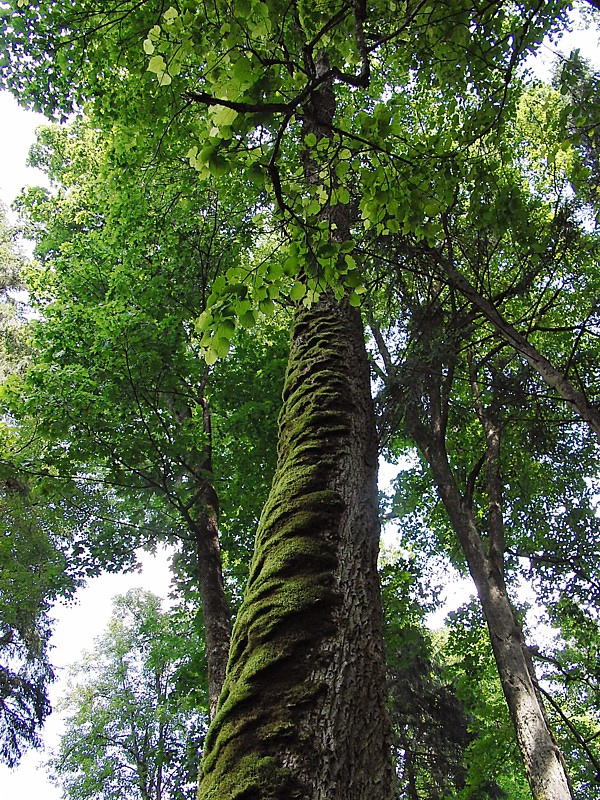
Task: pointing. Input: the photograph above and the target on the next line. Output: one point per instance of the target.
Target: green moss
(290, 600)
(254, 777)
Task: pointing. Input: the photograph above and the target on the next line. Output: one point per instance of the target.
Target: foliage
(517, 234)
(478, 180)
(130, 733)
(12, 262)
(578, 85)
(117, 355)
(29, 566)
(430, 727)
(492, 751)
(54, 532)
(32, 556)
(568, 665)
(247, 82)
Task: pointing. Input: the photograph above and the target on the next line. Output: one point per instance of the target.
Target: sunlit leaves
(131, 729)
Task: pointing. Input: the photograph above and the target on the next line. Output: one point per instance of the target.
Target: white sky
(17, 134)
(75, 630)
(78, 625)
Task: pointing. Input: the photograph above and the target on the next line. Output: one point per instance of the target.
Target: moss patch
(290, 600)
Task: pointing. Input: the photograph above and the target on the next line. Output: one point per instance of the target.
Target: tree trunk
(303, 710)
(429, 376)
(215, 607)
(542, 759)
(202, 519)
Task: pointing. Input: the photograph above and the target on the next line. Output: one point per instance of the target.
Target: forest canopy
(281, 242)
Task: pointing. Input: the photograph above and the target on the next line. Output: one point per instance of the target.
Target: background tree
(130, 733)
(53, 534)
(118, 384)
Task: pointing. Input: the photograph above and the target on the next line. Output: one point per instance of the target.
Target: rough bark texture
(542, 759)
(303, 710)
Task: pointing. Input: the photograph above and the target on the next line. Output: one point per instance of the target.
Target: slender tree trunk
(215, 606)
(201, 516)
(426, 413)
(543, 761)
(303, 709)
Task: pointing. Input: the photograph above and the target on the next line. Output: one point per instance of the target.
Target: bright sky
(17, 134)
(77, 625)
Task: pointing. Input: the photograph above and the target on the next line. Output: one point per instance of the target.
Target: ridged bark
(202, 519)
(543, 761)
(303, 710)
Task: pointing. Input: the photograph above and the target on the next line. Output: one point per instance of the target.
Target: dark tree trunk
(215, 607)
(425, 392)
(202, 519)
(303, 710)
(544, 765)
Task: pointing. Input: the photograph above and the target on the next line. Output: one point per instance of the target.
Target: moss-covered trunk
(303, 709)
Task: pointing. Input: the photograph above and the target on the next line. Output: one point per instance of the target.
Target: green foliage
(578, 85)
(32, 553)
(54, 532)
(29, 567)
(131, 731)
(430, 727)
(118, 383)
(247, 75)
(437, 152)
(13, 348)
(492, 751)
(568, 664)
(246, 397)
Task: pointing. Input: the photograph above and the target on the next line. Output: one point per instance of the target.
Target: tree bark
(215, 606)
(303, 709)
(544, 765)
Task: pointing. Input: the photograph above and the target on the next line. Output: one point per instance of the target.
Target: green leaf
(226, 329)
(157, 64)
(220, 345)
(298, 291)
(222, 116)
(247, 319)
(170, 15)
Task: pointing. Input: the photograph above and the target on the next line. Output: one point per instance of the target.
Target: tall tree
(134, 406)
(288, 96)
(128, 733)
(53, 533)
